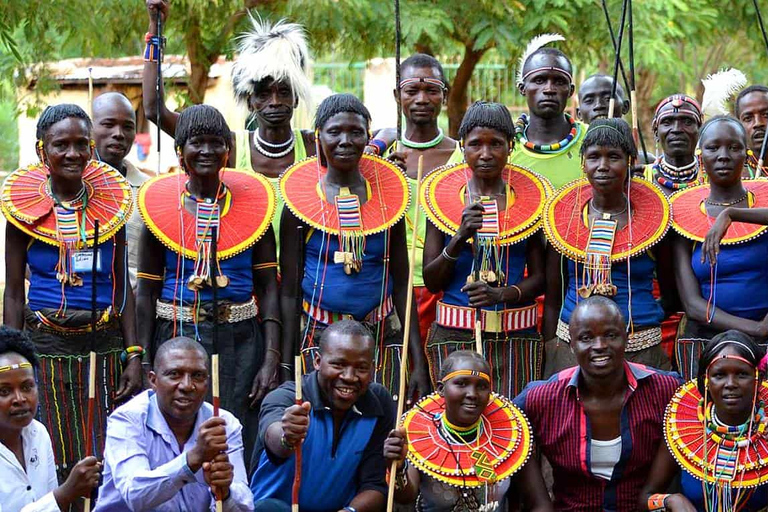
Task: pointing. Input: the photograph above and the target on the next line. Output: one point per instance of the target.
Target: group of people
(547, 364)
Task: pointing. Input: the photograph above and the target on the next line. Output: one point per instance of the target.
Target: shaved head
(110, 99)
(179, 343)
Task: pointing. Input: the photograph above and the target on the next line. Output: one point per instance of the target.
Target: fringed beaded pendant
(351, 238)
(487, 240)
(598, 259)
(207, 219)
(69, 238)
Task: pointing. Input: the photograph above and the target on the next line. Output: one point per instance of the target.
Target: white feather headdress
(535, 43)
(278, 51)
(718, 90)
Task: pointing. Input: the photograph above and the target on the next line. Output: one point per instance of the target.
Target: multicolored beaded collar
(521, 126)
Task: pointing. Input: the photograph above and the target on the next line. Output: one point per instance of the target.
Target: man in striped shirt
(599, 424)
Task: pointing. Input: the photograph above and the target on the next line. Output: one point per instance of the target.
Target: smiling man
(595, 97)
(165, 449)
(600, 423)
(341, 427)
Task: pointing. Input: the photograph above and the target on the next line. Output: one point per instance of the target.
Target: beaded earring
(181, 159)
(92, 144)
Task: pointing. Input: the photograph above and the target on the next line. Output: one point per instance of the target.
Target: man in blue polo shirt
(341, 427)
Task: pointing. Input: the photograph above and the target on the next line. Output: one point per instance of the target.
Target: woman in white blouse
(28, 482)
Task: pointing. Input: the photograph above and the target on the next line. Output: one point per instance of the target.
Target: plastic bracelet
(448, 256)
(657, 502)
(379, 145)
(134, 349)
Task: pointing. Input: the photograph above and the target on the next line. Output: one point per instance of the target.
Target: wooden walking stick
(214, 339)
(478, 310)
(92, 353)
(159, 84)
(297, 471)
(612, 103)
(406, 328)
(298, 362)
(761, 156)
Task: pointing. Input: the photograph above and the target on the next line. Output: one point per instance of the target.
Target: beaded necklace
(676, 178)
(70, 232)
(423, 145)
(207, 220)
(259, 144)
(521, 127)
(752, 166)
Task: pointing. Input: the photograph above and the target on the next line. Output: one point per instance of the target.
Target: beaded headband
(431, 81)
(10, 367)
(677, 101)
(547, 68)
(469, 373)
(734, 342)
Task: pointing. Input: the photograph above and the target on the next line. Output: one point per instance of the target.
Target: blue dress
(646, 310)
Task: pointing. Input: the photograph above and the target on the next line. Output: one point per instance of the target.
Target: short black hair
(744, 92)
(340, 104)
(450, 362)
(744, 346)
(422, 60)
(619, 89)
(16, 341)
(484, 114)
(547, 50)
(180, 343)
(55, 113)
(201, 120)
(345, 328)
(720, 119)
(599, 300)
(612, 133)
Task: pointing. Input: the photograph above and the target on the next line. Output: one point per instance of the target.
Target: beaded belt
(638, 340)
(328, 317)
(462, 317)
(228, 312)
(104, 321)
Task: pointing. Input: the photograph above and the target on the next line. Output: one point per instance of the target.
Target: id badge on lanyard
(82, 261)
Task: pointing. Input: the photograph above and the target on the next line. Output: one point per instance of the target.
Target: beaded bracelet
(379, 146)
(131, 353)
(154, 45)
(657, 502)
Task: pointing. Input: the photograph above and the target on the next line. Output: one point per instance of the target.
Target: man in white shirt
(165, 451)
(28, 482)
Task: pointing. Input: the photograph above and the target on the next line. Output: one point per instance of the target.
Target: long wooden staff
(761, 156)
(297, 471)
(159, 83)
(406, 328)
(398, 35)
(612, 102)
(214, 338)
(630, 86)
(298, 363)
(478, 310)
(92, 353)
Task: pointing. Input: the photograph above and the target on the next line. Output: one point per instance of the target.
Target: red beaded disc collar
(249, 212)
(565, 229)
(505, 439)
(443, 200)
(27, 203)
(691, 222)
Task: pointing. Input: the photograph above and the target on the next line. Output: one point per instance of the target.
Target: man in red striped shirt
(600, 423)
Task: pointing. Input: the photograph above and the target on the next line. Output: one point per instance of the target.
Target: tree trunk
(199, 65)
(457, 97)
